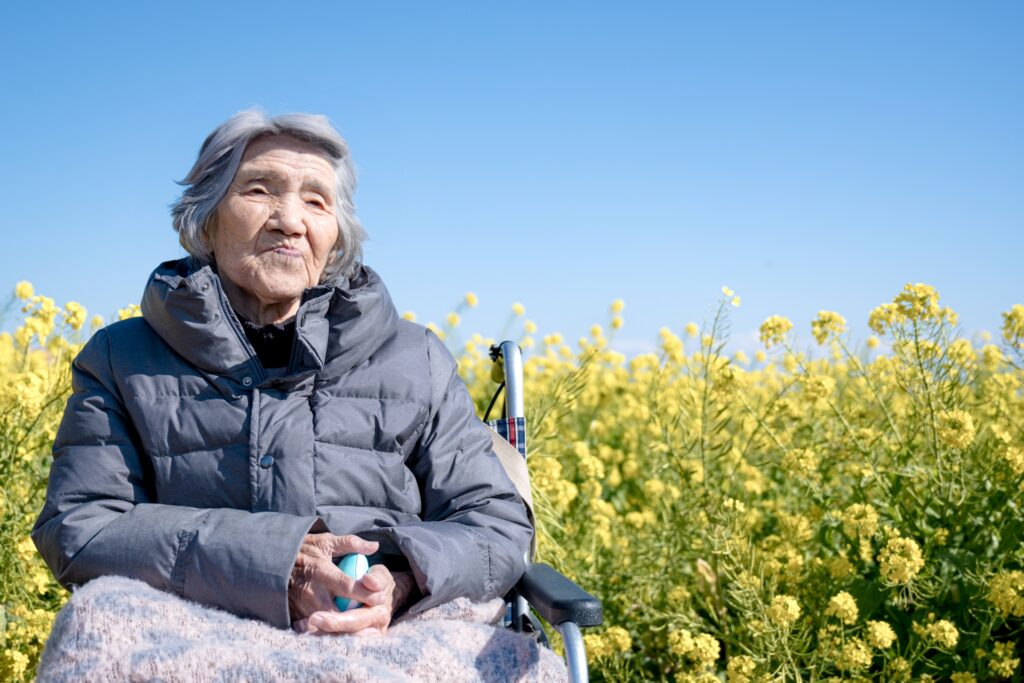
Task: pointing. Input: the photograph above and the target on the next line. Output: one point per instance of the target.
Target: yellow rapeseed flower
(617, 306)
(518, 309)
(701, 649)
(680, 642)
(802, 462)
(741, 669)
(18, 662)
(774, 329)
(884, 317)
(817, 387)
(471, 300)
(129, 311)
(705, 651)
(839, 567)
(529, 327)
(843, 607)
(956, 428)
(635, 519)
(692, 330)
(961, 352)
(941, 633)
(827, 324)
(597, 647)
(1006, 593)
(784, 610)
(727, 292)
(918, 302)
(1014, 459)
(410, 316)
(619, 639)
(616, 322)
(880, 635)
(735, 301)
(860, 520)
(1013, 326)
(992, 357)
(900, 561)
(1003, 663)
(677, 596)
(899, 669)
(74, 315)
(654, 489)
(453, 320)
(24, 290)
(854, 655)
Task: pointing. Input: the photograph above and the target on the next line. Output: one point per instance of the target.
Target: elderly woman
(270, 412)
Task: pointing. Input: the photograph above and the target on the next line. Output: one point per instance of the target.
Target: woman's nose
(288, 216)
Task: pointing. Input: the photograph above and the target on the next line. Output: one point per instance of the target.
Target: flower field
(817, 512)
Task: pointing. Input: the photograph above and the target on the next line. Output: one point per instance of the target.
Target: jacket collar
(340, 323)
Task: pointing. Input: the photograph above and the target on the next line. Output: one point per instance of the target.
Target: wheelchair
(542, 590)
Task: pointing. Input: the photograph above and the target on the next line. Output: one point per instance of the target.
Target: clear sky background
(809, 155)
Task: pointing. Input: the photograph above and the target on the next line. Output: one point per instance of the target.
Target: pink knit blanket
(119, 629)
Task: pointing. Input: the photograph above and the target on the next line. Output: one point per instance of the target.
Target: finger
(350, 543)
(338, 583)
(317, 586)
(381, 584)
(350, 621)
(378, 579)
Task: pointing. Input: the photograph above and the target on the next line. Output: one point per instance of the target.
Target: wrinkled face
(276, 229)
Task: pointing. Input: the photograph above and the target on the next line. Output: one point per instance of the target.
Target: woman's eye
(256, 190)
(316, 202)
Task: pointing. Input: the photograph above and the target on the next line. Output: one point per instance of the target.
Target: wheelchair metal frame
(554, 597)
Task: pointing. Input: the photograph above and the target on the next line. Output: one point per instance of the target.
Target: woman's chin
(282, 281)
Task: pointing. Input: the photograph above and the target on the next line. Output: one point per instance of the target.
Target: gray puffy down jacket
(181, 463)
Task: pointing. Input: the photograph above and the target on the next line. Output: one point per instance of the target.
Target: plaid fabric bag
(513, 430)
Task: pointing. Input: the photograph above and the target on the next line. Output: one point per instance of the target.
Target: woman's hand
(316, 580)
(390, 592)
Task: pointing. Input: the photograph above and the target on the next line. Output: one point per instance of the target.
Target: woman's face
(276, 229)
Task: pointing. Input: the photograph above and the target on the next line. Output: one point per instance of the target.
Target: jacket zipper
(229, 314)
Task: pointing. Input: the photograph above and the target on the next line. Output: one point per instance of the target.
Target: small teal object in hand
(354, 565)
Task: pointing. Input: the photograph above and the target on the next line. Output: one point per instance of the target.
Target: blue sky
(809, 155)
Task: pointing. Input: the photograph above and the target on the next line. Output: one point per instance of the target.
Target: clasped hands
(316, 580)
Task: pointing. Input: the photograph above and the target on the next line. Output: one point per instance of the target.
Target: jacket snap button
(205, 286)
(247, 381)
(266, 461)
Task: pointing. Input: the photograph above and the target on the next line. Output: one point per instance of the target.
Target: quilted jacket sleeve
(475, 530)
(98, 517)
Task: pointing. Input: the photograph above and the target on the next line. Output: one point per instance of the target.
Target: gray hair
(219, 157)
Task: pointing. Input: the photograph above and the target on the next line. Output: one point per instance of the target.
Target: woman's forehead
(281, 147)
(282, 155)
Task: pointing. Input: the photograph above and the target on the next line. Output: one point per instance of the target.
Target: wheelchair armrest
(558, 599)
